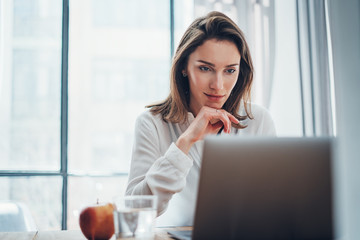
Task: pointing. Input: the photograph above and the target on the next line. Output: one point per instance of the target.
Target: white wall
(345, 35)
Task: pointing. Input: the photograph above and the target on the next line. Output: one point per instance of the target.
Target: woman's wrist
(184, 143)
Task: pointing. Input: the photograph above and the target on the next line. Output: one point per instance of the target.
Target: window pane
(30, 63)
(119, 59)
(183, 17)
(42, 195)
(84, 191)
(286, 93)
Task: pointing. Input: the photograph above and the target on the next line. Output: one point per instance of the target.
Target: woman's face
(212, 70)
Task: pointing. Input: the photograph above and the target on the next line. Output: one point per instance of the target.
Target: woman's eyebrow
(232, 65)
(213, 65)
(208, 63)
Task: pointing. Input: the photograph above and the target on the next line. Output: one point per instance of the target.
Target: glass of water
(134, 216)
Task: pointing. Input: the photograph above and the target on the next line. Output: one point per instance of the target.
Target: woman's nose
(217, 82)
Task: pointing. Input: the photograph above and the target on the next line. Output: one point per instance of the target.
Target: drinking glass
(134, 216)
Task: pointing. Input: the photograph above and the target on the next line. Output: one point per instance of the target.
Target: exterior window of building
(119, 60)
(30, 83)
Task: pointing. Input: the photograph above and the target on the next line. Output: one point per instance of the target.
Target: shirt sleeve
(152, 173)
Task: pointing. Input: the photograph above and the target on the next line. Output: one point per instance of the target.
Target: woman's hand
(208, 121)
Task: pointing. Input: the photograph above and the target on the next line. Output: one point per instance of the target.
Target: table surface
(160, 234)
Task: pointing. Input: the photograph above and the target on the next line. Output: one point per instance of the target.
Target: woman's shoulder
(150, 120)
(259, 111)
(148, 116)
(261, 123)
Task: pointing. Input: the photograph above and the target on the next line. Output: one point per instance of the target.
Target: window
(114, 47)
(119, 60)
(30, 83)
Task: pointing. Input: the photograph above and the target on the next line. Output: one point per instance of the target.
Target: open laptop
(264, 188)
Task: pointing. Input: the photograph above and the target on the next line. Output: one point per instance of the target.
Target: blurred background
(75, 74)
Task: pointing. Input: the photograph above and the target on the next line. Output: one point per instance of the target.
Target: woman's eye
(230, 70)
(205, 69)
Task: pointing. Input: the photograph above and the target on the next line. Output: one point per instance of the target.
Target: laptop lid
(264, 188)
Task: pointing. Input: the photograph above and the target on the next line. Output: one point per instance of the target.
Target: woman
(211, 79)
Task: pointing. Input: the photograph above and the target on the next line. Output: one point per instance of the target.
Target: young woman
(211, 79)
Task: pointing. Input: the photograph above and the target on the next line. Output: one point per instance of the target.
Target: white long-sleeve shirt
(159, 167)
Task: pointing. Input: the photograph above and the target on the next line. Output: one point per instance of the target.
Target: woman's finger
(223, 117)
(232, 118)
(216, 127)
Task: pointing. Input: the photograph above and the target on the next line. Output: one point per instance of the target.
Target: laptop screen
(264, 188)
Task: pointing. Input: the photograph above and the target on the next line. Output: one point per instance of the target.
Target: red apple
(97, 221)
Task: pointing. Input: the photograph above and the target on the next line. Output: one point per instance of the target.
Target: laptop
(264, 188)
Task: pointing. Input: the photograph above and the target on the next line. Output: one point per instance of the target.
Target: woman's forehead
(217, 52)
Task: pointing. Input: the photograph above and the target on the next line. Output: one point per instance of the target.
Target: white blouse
(159, 167)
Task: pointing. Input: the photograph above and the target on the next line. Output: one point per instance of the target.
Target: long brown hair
(214, 25)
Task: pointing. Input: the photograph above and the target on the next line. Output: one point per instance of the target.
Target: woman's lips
(214, 97)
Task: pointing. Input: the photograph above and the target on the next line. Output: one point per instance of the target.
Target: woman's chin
(214, 105)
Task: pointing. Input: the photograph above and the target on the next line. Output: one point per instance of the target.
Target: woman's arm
(152, 173)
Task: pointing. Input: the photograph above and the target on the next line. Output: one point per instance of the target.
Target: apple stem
(97, 201)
